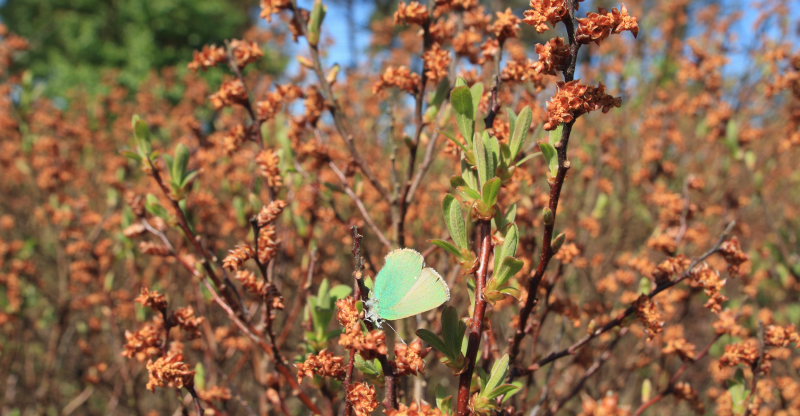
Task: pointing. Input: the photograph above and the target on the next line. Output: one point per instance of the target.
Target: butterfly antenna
(395, 331)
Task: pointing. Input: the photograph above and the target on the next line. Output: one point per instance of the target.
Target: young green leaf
(315, 22)
(491, 189)
(520, 131)
(551, 157)
(454, 218)
(448, 246)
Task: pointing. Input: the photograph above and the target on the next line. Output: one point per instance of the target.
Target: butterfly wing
(427, 291)
(397, 275)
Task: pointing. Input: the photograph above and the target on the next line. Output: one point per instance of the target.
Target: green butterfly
(405, 287)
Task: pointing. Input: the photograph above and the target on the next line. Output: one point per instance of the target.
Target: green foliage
(320, 310)
(492, 388)
(74, 42)
(452, 342)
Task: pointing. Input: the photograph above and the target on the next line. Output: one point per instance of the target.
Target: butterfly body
(405, 287)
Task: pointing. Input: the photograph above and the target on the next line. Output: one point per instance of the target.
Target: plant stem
(476, 325)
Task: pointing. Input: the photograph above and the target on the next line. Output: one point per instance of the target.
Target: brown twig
(358, 269)
(555, 193)
(224, 284)
(674, 379)
(572, 349)
(594, 368)
(475, 329)
(245, 327)
(340, 122)
(360, 205)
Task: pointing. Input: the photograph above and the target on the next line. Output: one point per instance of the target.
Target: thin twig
(572, 349)
(360, 205)
(475, 329)
(555, 193)
(669, 389)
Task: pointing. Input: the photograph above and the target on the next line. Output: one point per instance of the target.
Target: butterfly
(405, 287)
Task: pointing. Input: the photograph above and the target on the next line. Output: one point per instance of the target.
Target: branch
(336, 111)
(360, 205)
(476, 326)
(632, 308)
(674, 379)
(555, 193)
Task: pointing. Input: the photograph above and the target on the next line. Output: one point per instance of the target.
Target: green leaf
(508, 269)
(454, 329)
(461, 100)
(498, 373)
(647, 390)
(200, 376)
(180, 163)
(470, 175)
(433, 340)
(447, 246)
(527, 158)
(154, 207)
(444, 401)
(141, 133)
(315, 22)
(476, 91)
(481, 160)
(468, 194)
(509, 247)
(507, 389)
(551, 156)
(491, 189)
(340, 292)
(492, 147)
(555, 135)
(739, 396)
(454, 218)
(520, 131)
(437, 99)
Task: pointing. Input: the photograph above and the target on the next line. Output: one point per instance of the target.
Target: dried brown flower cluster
(169, 371)
(152, 299)
(398, 77)
(323, 364)
(415, 409)
(712, 284)
(269, 163)
(409, 358)
(437, 63)
(367, 343)
(574, 99)
(363, 398)
(276, 100)
(230, 93)
(649, 316)
(506, 25)
(411, 13)
(553, 56)
(781, 336)
(188, 321)
(544, 13)
(245, 52)
(208, 57)
(598, 26)
(145, 343)
(740, 353)
(270, 213)
(271, 7)
(236, 257)
(732, 252)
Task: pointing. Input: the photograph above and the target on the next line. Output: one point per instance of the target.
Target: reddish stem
(476, 325)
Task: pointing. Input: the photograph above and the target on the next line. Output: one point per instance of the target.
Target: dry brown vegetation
(619, 187)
